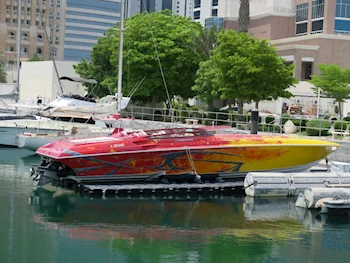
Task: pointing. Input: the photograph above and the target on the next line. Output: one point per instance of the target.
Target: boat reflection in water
(157, 227)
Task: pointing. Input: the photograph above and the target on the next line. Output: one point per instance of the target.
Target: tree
(2, 68)
(206, 41)
(243, 16)
(243, 25)
(147, 38)
(334, 82)
(35, 57)
(205, 82)
(245, 68)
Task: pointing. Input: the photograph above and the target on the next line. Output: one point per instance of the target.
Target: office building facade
(305, 32)
(178, 7)
(204, 9)
(85, 22)
(72, 26)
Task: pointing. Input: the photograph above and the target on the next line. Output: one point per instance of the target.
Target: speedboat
(178, 154)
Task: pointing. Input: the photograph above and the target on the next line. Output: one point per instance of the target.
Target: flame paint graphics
(227, 153)
(229, 160)
(206, 161)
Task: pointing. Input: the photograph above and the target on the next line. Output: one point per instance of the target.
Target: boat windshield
(167, 133)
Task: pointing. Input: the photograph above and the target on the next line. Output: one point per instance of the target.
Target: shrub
(317, 127)
(340, 125)
(270, 119)
(346, 119)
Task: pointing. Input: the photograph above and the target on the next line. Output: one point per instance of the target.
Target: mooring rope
(190, 159)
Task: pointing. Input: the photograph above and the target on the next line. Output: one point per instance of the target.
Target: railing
(268, 123)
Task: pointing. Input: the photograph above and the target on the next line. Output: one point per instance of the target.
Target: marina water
(41, 227)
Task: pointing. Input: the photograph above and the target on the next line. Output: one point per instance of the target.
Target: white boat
(337, 206)
(74, 105)
(10, 128)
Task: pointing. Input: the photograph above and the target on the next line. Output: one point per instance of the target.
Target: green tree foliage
(35, 57)
(147, 36)
(206, 41)
(245, 68)
(205, 82)
(2, 68)
(333, 82)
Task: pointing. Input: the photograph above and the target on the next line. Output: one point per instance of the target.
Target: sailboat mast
(120, 65)
(18, 46)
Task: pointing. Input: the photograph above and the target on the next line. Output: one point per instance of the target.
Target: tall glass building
(85, 22)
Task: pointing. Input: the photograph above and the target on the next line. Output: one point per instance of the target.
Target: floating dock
(183, 189)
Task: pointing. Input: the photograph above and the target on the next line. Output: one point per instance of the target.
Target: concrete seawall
(342, 154)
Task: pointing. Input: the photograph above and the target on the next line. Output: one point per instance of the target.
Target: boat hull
(228, 163)
(8, 135)
(32, 143)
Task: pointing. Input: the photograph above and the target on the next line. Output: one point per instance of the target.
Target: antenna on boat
(18, 47)
(120, 64)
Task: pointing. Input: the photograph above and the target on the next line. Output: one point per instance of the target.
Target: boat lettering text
(184, 140)
(117, 145)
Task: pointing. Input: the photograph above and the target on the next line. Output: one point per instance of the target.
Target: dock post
(254, 121)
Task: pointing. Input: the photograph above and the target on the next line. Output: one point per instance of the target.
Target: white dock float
(308, 198)
(290, 184)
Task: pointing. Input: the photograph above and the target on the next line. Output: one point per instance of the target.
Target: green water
(36, 226)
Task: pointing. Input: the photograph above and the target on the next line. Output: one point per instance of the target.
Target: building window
(301, 29)
(213, 21)
(10, 49)
(197, 3)
(8, 20)
(57, 40)
(306, 70)
(25, 36)
(51, 26)
(214, 12)
(196, 14)
(39, 38)
(302, 12)
(23, 49)
(14, 21)
(28, 22)
(57, 28)
(51, 15)
(342, 9)
(317, 25)
(58, 15)
(317, 9)
(38, 51)
(215, 2)
(11, 35)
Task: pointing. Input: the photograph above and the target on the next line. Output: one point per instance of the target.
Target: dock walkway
(227, 188)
